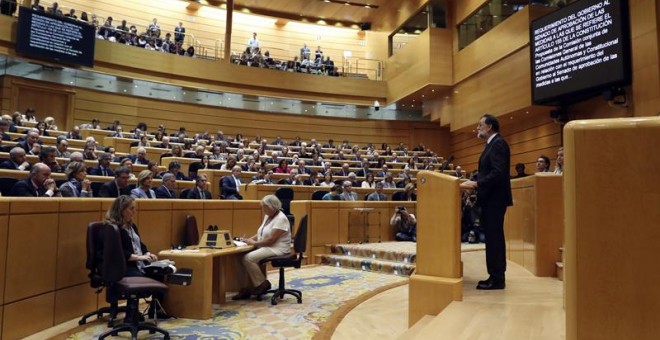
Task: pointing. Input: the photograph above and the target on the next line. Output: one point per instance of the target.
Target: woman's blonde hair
(114, 214)
(73, 168)
(144, 174)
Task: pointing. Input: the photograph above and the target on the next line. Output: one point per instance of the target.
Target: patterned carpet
(325, 289)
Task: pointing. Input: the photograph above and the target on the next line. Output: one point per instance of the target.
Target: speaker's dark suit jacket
(493, 196)
(24, 188)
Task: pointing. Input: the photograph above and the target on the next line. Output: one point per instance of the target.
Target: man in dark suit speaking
(493, 196)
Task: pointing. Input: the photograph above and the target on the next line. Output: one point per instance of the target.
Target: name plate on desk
(216, 239)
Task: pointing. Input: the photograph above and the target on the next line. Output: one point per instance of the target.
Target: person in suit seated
(353, 178)
(334, 194)
(31, 139)
(302, 168)
(47, 156)
(345, 170)
(77, 185)
(143, 189)
(3, 130)
(166, 190)
(62, 147)
(293, 179)
(175, 169)
(231, 184)
(543, 164)
(16, 160)
(140, 156)
(164, 143)
(388, 181)
(89, 153)
(348, 194)
(383, 171)
(127, 163)
(273, 238)
(378, 194)
(103, 169)
(364, 170)
(38, 184)
(520, 171)
(199, 192)
(117, 187)
(262, 177)
(314, 179)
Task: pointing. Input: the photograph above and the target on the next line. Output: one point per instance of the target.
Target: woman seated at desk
(273, 238)
(137, 255)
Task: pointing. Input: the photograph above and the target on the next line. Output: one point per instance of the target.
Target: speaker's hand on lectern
(468, 185)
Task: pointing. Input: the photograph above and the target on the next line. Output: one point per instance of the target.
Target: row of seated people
(39, 183)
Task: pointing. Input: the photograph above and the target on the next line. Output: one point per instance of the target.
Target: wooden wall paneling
(549, 232)
(645, 56)
(217, 212)
(74, 301)
(351, 222)
(324, 225)
(155, 227)
(28, 316)
(31, 255)
(2, 308)
(71, 247)
(46, 100)
(247, 217)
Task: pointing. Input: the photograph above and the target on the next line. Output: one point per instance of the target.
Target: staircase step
(417, 328)
(368, 264)
(402, 252)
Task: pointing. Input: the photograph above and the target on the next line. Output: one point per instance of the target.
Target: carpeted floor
(325, 290)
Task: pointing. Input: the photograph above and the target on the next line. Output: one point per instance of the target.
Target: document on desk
(185, 250)
(240, 243)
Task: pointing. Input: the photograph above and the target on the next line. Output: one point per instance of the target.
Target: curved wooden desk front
(211, 268)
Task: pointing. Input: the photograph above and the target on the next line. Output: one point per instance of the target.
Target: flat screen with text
(55, 38)
(579, 51)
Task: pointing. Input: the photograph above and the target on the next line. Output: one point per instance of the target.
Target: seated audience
(262, 177)
(334, 194)
(74, 133)
(520, 171)
(103, 169)
(31, 139)
(175, 169)
(410, 192)
(388, 182)
(543, 164)
(62, 146)
(273, 238)
(348, 194)
(77, 184)
(378, 194)
(560, 161)
(127, 163)
(143, 189)
(405, 224)
(140, 157)
(231, 185)
(38, 184)
(16, 161)
(89, 153)
(369, 182)
(47, 156)
(199, 192)
(118, 186)
(3, 130)
(166, 190)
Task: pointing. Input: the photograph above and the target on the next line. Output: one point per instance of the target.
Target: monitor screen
(56, 38)
(579, 51)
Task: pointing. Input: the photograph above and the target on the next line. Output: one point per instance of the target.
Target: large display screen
(56, 38)
(579, 51)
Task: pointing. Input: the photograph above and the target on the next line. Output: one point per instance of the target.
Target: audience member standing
(493, 196)
(179, 33)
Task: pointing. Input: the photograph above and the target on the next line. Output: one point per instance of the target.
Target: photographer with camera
(405, 223)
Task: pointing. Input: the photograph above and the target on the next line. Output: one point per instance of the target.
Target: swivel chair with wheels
(293, 260)
(132, 289)
(93, 264)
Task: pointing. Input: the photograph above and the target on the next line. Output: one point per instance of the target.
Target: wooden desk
(211, 268)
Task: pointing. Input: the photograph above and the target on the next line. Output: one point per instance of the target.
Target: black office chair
(293, 260)
(184, 194)
(285, 195)
(318, 195)
(5, 185)
(399, 196)
(94, 260)
(96, 187)
(132, 289)
(191, 233)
